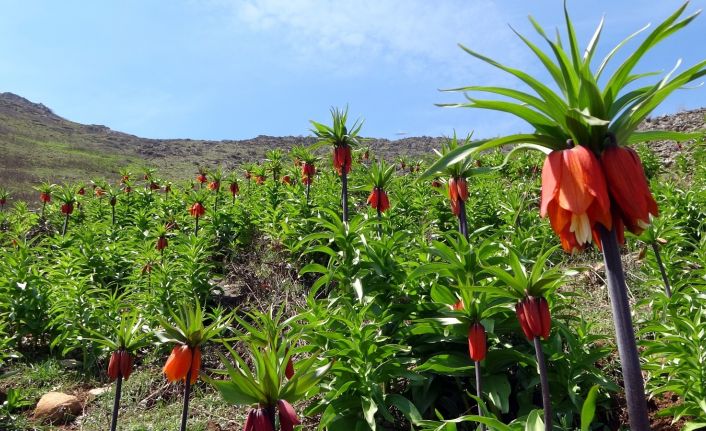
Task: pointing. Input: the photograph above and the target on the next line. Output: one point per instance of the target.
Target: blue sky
(222, 69)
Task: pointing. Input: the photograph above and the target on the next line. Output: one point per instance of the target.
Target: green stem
(665, 279)
(66, 225)
(479, 390)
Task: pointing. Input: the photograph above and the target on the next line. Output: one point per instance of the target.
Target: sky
(235, 69)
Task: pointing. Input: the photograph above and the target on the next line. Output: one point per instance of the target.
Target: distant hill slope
(36, 145)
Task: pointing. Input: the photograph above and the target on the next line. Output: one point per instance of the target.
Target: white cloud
(354, 36)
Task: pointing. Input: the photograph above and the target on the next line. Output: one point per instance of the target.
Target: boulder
(57, 407)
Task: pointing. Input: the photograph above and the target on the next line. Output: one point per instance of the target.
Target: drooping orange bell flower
(81, 191)
(180, 362)
(197, 210)
(308, 172)
(214, 186)
(99, 192)
(286, 179)
(342, 159)
(379, 200)
(201, 178)
(477, 347)
(260, 179)
(574, 196)
(628, 187)
(458, 305)
(45, 197)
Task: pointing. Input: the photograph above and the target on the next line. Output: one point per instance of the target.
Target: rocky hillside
(36, 145)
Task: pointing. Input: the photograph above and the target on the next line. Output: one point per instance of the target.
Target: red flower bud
(125, 364)
(81, 191)
(289, 369)
(67, 208)
(214, 186)
(287, 180)
(477, 347)
(287, 416)
(534, 317)
(201, 178)
(234, 189)
(161, 243)
(45, 197)
(114, 366)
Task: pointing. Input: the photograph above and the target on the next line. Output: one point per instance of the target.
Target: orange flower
(201, 178)
(195, 365)
(260, 179)
(378, 199)
(477, 347)
(342, 159)
(214, 186)
(628, 187)
(45, 197)
(462, 188)
(287, 180)
(178, 363)
(197, 210)
(574, 195)
(308, 172)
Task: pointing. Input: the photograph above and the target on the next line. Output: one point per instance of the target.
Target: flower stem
(667, 286)
(196, 227)
(113, 214)
(546, 398)
(187, 394)
(66, 225)
(624, 332)
(116, 403)
(344, 193)
(479, 390)
(462, 221)
(308, 189)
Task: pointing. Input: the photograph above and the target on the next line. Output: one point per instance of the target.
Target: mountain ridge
(37, 144)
